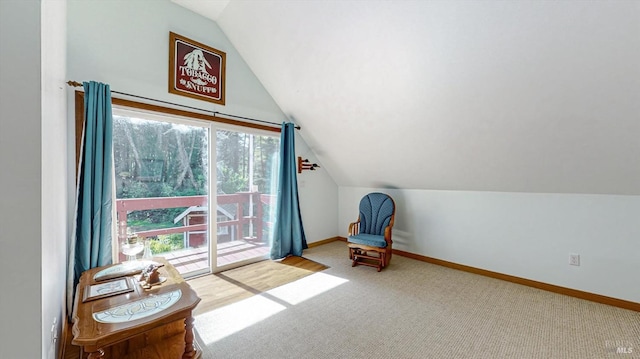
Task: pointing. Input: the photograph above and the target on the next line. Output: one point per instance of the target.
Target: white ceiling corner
(207, 8)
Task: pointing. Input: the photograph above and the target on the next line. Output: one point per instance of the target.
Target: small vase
(147, 250)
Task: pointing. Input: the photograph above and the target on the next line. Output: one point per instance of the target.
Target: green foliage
(153, 219)
(231, 182)
(166, 190)
(158, 247)
(167, 243)
(134, 189)
(158, 159)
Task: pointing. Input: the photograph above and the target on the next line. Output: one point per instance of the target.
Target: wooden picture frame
(196, 70)
(107, 289)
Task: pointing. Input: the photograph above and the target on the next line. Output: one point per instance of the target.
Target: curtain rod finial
(74, 83)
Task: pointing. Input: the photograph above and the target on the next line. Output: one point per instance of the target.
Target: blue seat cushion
(368, 240)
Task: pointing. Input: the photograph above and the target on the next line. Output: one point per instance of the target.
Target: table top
(108, 320)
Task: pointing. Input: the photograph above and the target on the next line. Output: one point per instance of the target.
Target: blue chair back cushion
(376, 210)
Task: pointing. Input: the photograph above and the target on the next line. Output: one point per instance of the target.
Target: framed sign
(196, 70)
(107, 289)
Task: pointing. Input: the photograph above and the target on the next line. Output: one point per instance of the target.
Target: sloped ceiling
(523, 96)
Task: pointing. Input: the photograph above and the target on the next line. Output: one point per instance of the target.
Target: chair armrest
(387, 234)
(354, 228)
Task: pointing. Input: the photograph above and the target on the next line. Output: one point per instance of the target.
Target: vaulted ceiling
(523, 96)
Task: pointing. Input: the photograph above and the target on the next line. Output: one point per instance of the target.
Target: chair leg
(357, 254)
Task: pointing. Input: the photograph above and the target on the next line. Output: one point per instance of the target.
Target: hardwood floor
(69, 351)
(217, 290)
(195, 259)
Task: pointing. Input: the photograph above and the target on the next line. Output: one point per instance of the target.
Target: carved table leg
(189, 350)
(96, 355)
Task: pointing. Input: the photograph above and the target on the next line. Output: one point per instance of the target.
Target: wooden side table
(143, 323)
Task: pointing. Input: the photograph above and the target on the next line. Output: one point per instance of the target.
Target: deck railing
(128, 205)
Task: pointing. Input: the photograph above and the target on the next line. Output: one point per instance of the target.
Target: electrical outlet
(574, 259)
(54, 331)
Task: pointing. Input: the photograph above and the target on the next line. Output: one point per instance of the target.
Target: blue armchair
(369, 238)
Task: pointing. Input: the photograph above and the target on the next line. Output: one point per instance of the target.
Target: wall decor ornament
(305, 164)
(196, 70)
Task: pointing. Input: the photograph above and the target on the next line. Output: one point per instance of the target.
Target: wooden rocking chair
(369, 238)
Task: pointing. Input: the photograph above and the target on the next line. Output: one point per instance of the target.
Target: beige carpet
(413, 309)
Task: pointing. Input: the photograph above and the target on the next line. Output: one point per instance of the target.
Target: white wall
(521, 234)
(20, 179)
(54, 173)
(318, 197)
(33, 181)
(125, 44)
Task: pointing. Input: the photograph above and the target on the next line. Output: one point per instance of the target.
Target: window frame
(147, 107)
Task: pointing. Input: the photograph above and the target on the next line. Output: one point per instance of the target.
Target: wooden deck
(195, 259)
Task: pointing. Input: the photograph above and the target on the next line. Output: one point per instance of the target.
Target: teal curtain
(94, 197)
(288, 234)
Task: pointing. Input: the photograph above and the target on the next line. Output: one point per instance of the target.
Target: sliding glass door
(246, 188)
(162, 188)
(164, 181)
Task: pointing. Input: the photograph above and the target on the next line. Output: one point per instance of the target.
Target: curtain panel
(90, 246)
(288, 235)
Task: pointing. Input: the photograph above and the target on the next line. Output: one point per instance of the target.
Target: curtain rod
(78, 84)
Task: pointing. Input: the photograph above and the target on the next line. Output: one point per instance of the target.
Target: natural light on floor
(305, 288)
(222, 322)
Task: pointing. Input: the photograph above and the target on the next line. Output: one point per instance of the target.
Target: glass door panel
(161, 169)
(246, 167)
